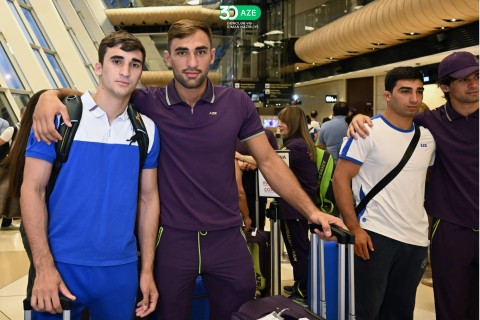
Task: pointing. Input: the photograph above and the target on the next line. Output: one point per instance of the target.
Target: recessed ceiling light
(453, 20)
(352, 51)
(378, 43)
(411, 33)
(442, 28)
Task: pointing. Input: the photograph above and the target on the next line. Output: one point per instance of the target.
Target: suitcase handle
(343, 236)
(64, 302)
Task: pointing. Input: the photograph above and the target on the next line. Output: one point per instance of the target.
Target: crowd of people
(206, 143)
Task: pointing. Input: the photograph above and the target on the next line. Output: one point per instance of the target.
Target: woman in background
(296, 138)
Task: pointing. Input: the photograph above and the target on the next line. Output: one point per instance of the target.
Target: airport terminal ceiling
(299, 41)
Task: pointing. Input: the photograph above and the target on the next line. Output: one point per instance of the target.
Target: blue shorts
(108, 292)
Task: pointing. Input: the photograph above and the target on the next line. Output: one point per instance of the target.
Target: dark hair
(445, 81)
(326, 119)
(401, 73)
(309, 120)
(314, 114)
(295, 119)
(185, 28)
(340, 108)
(127, 41)
(15, 161)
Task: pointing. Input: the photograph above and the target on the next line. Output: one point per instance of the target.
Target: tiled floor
(13, 280)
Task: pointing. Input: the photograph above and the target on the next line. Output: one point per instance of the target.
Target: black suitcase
(259, 244)
(27, 307)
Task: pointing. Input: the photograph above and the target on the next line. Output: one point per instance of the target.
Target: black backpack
(5, 148)
(62, 148)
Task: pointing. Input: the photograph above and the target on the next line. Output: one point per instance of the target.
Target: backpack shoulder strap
(62, 147)
(15, 131)
(141, 135)
(325, 167)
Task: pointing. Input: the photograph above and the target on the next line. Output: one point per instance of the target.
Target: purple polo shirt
(452, 192)
(306, 172)
(196, 173)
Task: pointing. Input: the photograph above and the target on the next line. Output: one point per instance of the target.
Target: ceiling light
(357, 7)
(259, 45)
(411, 33)
(254, 52)
(193, 2)
(308, 28)
(273, 32)
(270, 43)
(453, 20)
(378, 44)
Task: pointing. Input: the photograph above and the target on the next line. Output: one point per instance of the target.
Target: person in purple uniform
(452, 192)
(296, 138)
(200, 220)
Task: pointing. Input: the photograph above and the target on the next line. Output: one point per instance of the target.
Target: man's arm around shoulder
(49, 104)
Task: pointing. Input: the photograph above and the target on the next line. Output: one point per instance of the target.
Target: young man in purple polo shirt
(200, 219)
(452, 192)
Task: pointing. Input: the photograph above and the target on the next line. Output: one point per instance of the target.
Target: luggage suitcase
(274, 307)
(319, 301)
(28, 309)
(330, 254)
(200, 306)
(259, 244)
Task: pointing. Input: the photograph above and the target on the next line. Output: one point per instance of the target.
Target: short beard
(189, 84)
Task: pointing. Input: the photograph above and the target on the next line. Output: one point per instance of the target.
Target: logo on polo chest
(212, 113)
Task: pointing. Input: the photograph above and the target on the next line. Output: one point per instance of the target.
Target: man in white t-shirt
(314, 123)
(394, 222)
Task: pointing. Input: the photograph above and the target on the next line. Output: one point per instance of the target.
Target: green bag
(325, 166)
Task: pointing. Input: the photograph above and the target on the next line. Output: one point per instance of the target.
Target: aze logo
(240, 13)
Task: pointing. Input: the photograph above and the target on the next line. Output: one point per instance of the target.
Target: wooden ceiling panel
(385, 21)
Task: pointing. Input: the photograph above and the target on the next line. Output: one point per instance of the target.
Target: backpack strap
(323, 163)
(15, 131)
(140, 136)
(62, 147)
(392, 174)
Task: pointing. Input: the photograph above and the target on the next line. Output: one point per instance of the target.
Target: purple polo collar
(451, 114)
(173, 97)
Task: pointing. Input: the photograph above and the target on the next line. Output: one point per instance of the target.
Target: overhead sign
(329, 98)
(264, 189)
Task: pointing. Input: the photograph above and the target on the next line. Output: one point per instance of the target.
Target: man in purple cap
(452, 192)
(452, 195)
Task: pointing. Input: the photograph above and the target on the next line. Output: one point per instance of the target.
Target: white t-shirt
(315, 124)
(397, 211)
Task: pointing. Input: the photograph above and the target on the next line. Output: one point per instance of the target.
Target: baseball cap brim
(463, 73)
